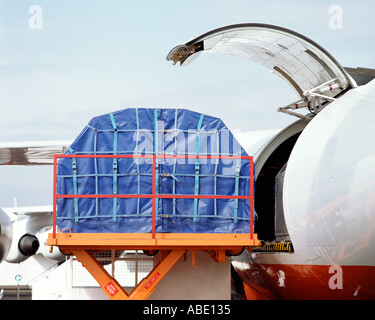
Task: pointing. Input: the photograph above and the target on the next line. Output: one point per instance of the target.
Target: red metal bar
(252, 199)
(54, 196)
(153, 196)
(69, 196)
(193, 196)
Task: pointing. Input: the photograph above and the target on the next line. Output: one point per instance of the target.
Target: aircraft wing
(29, 211)
(31, 152)
(298, 60)
(361, 75)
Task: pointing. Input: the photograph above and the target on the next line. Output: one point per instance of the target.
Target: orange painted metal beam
(113, 289)
(148, 284)
(108, 284)
(162, 241)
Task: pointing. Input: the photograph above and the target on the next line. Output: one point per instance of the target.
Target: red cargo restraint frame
(153, 196)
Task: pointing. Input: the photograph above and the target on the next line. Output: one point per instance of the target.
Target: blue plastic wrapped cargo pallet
(143, 131)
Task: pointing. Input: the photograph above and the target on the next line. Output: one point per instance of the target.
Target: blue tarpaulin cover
(148, 131)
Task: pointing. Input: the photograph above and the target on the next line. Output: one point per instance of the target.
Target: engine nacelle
(28, 245)
(26, 223)
(23, 246)
(5, 235)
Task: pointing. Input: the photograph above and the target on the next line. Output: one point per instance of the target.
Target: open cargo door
(311, 71)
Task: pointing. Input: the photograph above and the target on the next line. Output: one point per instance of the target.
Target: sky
(80, 59)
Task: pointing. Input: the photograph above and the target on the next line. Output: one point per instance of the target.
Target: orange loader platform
(171, 245)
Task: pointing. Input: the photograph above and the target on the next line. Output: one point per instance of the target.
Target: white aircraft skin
(328, 191)
(5, 235)
(329, 201)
